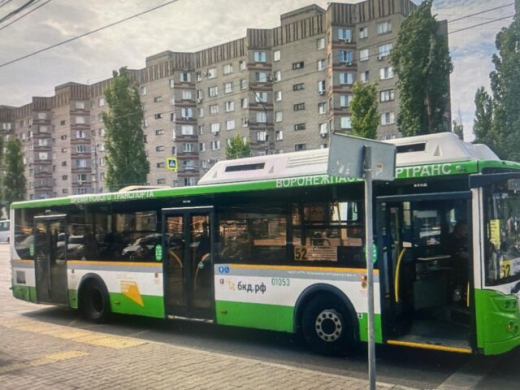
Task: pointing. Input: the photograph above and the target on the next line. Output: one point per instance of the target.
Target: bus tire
(327, 326)
(95, 302)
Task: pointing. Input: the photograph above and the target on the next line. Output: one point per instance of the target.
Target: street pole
(370, 266)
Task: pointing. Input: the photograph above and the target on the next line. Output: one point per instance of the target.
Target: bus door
(50, 256)
(188, 235)
(425, 267)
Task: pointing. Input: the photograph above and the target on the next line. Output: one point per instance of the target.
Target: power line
(4, 2)
(16, 11)
(481, 12)
(87, 33)
(481, 24)
(28, 13)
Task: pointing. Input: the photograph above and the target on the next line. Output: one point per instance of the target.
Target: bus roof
(440, 154)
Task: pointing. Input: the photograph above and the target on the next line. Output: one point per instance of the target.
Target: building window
(298, 87)
(279, 116)
(363, 32)
(103, 162)
(186, 95)
(346, 123)
(278, 96)
(346, 56)
(187, 112)
(185, 77)
(215, 145)
(260, 97)
(322, 108)
(159, 132)
(159, 148)
(242, 65)
(190, 181)
(81, 134)
(298, 65)
(384, 27)
(213, 109)
(215, 128)
(213, 91)
(384, 50)
(142, 91)
(321, 87)
(200, 112)
(80, 105)
(386, 96)
(321, 65)
(276, 55)
(260, 56)
(81, 148)
(363, 55)
(80, 120)
(200, 95)
(320, 43)
(228, 87)
(299, 147)
(279, 135)
(161, 181)
(243, 84)
(345, 34)
(387, 118)
(347, 78)
(228, 69)
(201, 129)
(261, 117)
(42, 142)
(278, 76)
(187, 130)
(364, 76)
(243, 103)
(299, 126)
(81, 163)
(212, 73)
(187, 148)
(172, 83)
(386, 73)
(158, 116)
(245, 122)
(261, 136)
(299, 107)
(160, 165)
(323, 129)
(229, 106)
(202, 147)
(344, 100)
(230, 124)
(157, 99)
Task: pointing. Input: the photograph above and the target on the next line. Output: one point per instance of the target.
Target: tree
(237, 148)
(422, 62)
(14, 182)
(483, 122)
(505, 85)
(363, 106)
(126, 156)
(458, 129)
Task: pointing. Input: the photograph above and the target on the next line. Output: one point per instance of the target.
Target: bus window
(253, 234)
(328, 232)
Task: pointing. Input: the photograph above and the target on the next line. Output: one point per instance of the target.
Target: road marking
(44, 360)
(77, 335)
(470, 375)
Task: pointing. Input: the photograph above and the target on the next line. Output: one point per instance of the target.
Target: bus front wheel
(327, 326)
(95, 302)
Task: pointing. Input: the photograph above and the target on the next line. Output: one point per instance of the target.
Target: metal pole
(370, 268)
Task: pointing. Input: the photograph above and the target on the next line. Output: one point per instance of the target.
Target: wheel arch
(321, 288)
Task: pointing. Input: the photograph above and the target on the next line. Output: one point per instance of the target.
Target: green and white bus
(272, 242)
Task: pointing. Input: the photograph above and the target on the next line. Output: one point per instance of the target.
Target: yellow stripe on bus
(429, 346)
(291, 268)
(121, 263)
(23, 261)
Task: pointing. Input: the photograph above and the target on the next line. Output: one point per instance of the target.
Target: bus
(272, 242)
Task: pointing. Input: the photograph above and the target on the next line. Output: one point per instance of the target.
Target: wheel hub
(328, 326)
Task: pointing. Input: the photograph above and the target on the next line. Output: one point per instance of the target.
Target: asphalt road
(395, 365)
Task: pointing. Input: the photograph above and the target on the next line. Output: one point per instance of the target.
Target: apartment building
(282, 89)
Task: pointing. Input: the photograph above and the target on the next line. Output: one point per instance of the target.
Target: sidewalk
(46, 356)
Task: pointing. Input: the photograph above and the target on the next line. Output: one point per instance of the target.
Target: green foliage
(126, 156)
(483, 123)
(14, 182)
(458, 129)
(238, 148)
(363, 106)
(422, 61)
(505, 85)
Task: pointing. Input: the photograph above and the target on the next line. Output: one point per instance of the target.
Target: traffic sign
(171, 163)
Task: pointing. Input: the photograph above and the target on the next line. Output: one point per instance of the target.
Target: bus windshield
(503, 233)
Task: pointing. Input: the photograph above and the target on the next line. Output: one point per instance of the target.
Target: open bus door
(188, 237)
(50, 256)
(425, 266)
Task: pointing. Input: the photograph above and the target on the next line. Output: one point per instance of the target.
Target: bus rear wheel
(95, 302)
(327, 326)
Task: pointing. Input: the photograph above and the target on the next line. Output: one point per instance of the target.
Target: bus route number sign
(171, 163)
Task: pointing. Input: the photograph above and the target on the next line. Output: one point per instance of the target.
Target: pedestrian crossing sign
(171, 163)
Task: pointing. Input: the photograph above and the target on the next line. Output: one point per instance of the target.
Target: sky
(191, 25)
